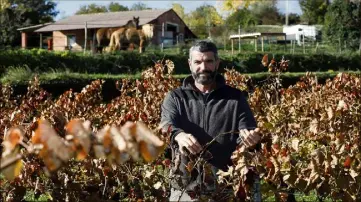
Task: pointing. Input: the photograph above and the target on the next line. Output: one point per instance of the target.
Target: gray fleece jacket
(224, 110)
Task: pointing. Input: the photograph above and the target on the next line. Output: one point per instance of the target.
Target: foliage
(293, 19)
(95, 8)
(203, 20)
(91, 8)
(310, 137)
(179, 9)
(313, 11)
(342, 23)
(115, 7)
(266, 13)
(91, 179)
(243, 17)
(139, 6)
(22, 13)
(233, 6)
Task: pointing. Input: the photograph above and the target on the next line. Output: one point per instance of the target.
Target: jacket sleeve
(170, 117)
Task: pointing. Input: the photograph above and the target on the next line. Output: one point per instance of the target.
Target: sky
(69, 7)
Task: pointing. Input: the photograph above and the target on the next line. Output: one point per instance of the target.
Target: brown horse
(130, 36)
(136, 37)
(109, 31)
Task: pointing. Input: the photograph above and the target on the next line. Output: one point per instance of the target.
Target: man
(205, 114)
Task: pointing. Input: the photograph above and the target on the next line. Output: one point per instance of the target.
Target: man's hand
(249, 137)
(188, 141)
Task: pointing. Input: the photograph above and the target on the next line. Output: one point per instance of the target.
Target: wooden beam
(262, 43)
(232, 45)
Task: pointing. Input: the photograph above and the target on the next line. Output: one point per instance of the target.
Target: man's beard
(205, 77)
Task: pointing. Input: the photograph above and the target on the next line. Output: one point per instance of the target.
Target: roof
(33, 27)
(255, 35)
(99, 20)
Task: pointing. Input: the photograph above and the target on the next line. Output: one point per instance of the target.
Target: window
(71, 41)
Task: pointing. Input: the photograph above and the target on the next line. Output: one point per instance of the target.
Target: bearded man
(196, 113)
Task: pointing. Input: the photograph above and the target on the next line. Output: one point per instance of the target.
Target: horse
(136, 37)
(109, 31)
(100, 34)
(131, 35)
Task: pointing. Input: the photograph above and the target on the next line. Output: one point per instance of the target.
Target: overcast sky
(69, 7)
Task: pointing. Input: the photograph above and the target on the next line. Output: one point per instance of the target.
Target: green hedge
(131, 62)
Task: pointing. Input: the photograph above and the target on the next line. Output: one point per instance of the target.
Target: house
(296, 32)
(79, 31)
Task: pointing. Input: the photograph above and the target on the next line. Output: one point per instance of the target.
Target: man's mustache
(204, 72)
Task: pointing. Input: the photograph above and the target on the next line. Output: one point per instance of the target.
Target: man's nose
(202, 66)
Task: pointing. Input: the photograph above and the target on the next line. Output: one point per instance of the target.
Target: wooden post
(162, 36)
(24, 40)
(232, 45)
(262, 43)
(85, 36)
(303, 42)
(285, 42)
(239, 38)
(94, 48)
(41, 41)
(225, 43)
(255, 44)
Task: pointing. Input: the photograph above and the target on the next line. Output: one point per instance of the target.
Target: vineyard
(76, 147)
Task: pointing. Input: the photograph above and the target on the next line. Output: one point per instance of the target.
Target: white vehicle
(296, 32)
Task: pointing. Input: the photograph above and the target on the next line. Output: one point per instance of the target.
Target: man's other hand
(249, 137)
(188, 141)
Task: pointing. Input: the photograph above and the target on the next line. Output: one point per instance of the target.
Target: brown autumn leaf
(53, 150)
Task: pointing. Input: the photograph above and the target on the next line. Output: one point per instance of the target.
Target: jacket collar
(188, 82)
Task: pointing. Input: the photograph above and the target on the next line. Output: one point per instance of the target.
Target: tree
(179, 9)
(232, 5)
(266, 13)
(91, 8)
(4, 4)
(293, 18)
(342, 23)
(115, 7)
(243, 17)
(22, 13)
(139, 6)
(203, 20)
(94, 8)
(314, 10)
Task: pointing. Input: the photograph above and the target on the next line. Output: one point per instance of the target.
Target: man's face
(203, 66)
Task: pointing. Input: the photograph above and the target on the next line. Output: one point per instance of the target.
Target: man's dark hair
(204, 46)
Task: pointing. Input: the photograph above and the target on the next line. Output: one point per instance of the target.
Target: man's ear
(190, 63)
